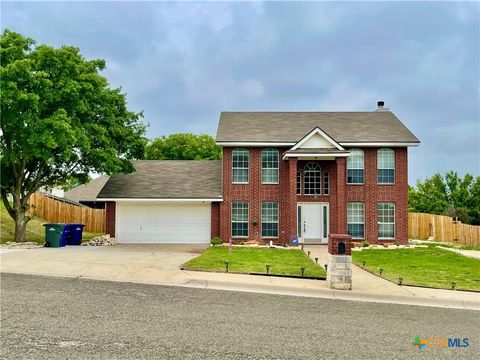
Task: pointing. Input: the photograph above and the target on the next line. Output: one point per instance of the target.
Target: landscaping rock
(102, 240)
(22, 245)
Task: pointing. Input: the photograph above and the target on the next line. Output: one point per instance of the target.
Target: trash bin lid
(55, 226)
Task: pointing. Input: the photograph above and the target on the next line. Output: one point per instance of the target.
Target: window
(356, 220)
(385, 166)
(386, 220)
(326, 183)
(299, 220)
(355, 167)
(270, 166)
(240, 219)
(325, 221)
(311, 178)
(299, 182)
(240, 159)
(269, 219)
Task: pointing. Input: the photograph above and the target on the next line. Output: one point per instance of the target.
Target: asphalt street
(58, 318)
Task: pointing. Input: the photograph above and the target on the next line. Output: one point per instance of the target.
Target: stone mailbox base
(339, 272)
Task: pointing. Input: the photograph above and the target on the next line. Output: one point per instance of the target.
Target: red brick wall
(371, 194)
(254, 192)
(340, 194)
(215, 230)
(110, 218)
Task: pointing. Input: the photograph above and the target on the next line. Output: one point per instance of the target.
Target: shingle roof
(343, 127)
(87, 192)
(167, 179)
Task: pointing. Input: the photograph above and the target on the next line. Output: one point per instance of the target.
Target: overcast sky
(184, 63)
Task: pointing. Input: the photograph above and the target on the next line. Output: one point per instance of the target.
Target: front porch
(318, 194)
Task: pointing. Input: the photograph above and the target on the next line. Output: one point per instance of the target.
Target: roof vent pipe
(381, 106)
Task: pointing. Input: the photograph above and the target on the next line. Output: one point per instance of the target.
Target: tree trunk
(19, 214)
(20, 225)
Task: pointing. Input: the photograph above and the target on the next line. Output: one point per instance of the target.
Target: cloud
(183, 63)
(345, 97)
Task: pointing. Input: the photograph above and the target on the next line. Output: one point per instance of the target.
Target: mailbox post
(339, 269)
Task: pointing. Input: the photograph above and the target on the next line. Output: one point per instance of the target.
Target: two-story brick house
(284, 175)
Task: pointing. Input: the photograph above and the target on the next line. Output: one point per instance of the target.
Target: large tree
(183, 147)
(450, 195)
(60, 120)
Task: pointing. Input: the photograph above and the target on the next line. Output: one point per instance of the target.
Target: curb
(331, 294)
(342, 295)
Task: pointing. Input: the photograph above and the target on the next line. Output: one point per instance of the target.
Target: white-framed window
(270, 160)
(356, 220)
(311, 179)
(326, 183)
(240, 163)
(386, 220)
(239, 219)
(355, 167)
(269, 219)
(299, 182)
(385, 166)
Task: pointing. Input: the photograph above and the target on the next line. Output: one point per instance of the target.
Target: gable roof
(167, 179)
(317, 135)
(290, 127)
(88, 191)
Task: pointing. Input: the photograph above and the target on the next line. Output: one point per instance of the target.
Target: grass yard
(253, 260)
(430, 267)
(35, 229)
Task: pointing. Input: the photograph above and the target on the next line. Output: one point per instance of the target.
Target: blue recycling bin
(75, 232)
(66, 234)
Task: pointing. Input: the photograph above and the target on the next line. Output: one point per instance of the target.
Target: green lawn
(430, 267)
(253, 260)
(35, 229)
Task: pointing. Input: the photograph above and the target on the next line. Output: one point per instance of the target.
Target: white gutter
(159, 199)
(346, 144)
(250, 143)
(315, 155)
(370, 144)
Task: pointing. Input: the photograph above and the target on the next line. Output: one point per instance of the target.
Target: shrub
(216, 241)
(365, 243)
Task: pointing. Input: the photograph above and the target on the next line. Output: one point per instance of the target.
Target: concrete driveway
(132, 263)
(160, 264)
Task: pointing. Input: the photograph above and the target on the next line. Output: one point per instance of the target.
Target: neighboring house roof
(87, 192)
(291, 127)
(61, 199)
(167, 179)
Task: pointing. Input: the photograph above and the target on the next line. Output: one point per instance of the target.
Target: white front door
(313, 223)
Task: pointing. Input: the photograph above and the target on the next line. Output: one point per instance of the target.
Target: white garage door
(163, 223)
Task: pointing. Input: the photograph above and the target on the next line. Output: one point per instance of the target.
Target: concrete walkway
(475, 254)
(160, 264)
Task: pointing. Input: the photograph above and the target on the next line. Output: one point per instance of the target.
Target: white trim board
(159, 200)
(379, 144)
(346, 144)
(253, 143)
(317, 155)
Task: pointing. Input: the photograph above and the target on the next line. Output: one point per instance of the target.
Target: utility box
(339, 267)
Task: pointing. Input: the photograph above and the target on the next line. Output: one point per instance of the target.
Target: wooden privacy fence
(57, 211)
(442, 228)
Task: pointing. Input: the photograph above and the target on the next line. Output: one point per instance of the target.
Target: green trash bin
(54, 235)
